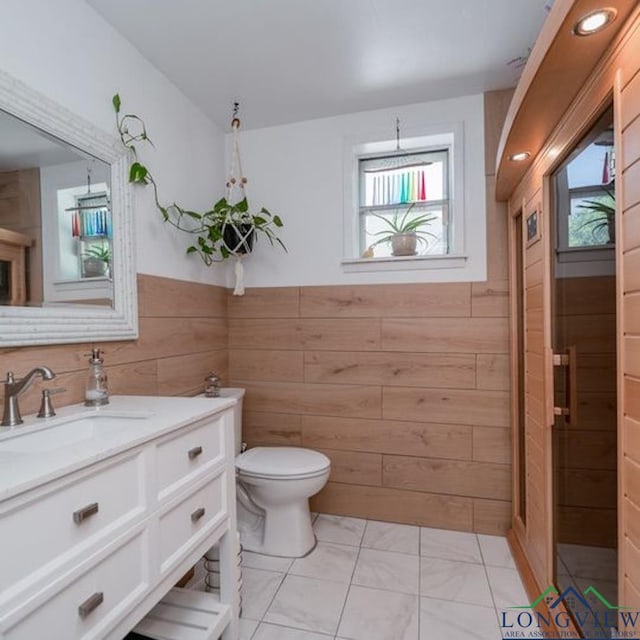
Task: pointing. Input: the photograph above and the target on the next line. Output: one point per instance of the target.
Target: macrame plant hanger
(239, 241)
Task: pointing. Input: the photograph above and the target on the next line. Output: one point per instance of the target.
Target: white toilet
(274, 485)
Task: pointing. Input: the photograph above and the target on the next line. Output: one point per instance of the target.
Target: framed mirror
(67, 271)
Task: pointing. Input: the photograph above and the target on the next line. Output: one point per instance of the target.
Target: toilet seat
(282, 463)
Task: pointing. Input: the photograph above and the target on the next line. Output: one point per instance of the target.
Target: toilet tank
(238, 394)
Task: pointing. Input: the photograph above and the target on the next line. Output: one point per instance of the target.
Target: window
(422, 185)
(404, 190)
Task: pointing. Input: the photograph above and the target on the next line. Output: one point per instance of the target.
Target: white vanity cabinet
(85, 554)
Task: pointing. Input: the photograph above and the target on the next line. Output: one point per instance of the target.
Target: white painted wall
(65, 50)
(297, 171)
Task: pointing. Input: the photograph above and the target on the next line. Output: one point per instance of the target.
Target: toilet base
(285, 531)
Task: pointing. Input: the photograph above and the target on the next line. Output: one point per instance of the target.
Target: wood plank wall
(628, 98)
(405, 387)
(536, 341)
(183, 335)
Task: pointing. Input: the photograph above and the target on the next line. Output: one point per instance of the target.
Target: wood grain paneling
(631, 310)
(382, 301)
(326, 333)
(490, 299)
(388, 436)
(451, 335)
(391, 368)
(170, 357)
(631, 226)
(629, 106)
(631, 190)
(451, 406)
(631, 518)
(268, 302)
(632, 398)
(264, 365)
(631, 266)
(184, 375)
(490, 516)
(492, 372)
(453, 477)
(349, 401)
(491, 445)
(350, 467)
(168, 298)
(497, 240)
(631, 147)
(496, 105)
(260, 428)
(394, 505)
(632, 439)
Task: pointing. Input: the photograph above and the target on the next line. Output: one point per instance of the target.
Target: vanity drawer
(53, 525)
(188, 453)
(192, 520)
(92, 602)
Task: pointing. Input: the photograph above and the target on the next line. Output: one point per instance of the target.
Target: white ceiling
(291, 60)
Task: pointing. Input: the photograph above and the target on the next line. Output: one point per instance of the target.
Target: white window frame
(426, 138)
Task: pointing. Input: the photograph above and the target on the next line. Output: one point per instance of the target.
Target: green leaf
(221, 205)
(258, 221)
(138, 173)
(191, 249)
(192, 214)
(277, 221)
(224, 251)
(116, 102)
(242, 206)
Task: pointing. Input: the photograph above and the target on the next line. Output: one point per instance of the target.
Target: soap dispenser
(97, 391)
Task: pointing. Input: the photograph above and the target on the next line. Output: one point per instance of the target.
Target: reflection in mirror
(51, 293)
(55, 221)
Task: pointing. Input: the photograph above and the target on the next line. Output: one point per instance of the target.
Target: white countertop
(153, 416)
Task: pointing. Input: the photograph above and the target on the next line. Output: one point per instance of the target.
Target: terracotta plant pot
(404, 244)
(94, 267)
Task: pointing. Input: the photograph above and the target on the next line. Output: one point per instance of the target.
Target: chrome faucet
(13, 388)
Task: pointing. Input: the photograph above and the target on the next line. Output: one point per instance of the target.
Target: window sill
(403, 263)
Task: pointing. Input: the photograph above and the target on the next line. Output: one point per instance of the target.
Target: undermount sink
(69, 431)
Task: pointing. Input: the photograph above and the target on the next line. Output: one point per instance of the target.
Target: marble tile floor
(370, 580)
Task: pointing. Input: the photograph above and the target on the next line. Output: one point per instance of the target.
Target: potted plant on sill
(96, 262)
(605, 215)
(227, 229)
(404, 233)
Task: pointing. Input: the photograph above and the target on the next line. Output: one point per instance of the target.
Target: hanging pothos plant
(223, 231)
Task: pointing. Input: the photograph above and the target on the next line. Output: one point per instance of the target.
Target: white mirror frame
(24, 326)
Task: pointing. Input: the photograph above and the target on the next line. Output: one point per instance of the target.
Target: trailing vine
(209, 226)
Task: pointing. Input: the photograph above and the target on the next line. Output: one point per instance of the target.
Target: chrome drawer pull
(86, 512)
(197, 514)
(91, 603)
(194, 453)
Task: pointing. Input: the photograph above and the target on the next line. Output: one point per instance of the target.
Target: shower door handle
(568, 361)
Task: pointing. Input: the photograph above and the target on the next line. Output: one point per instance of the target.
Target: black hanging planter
(239, 238)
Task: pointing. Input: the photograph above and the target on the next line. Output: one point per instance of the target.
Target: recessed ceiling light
(519, 157)
(594, 22)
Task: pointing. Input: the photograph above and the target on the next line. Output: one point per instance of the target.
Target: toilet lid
(281, 461)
